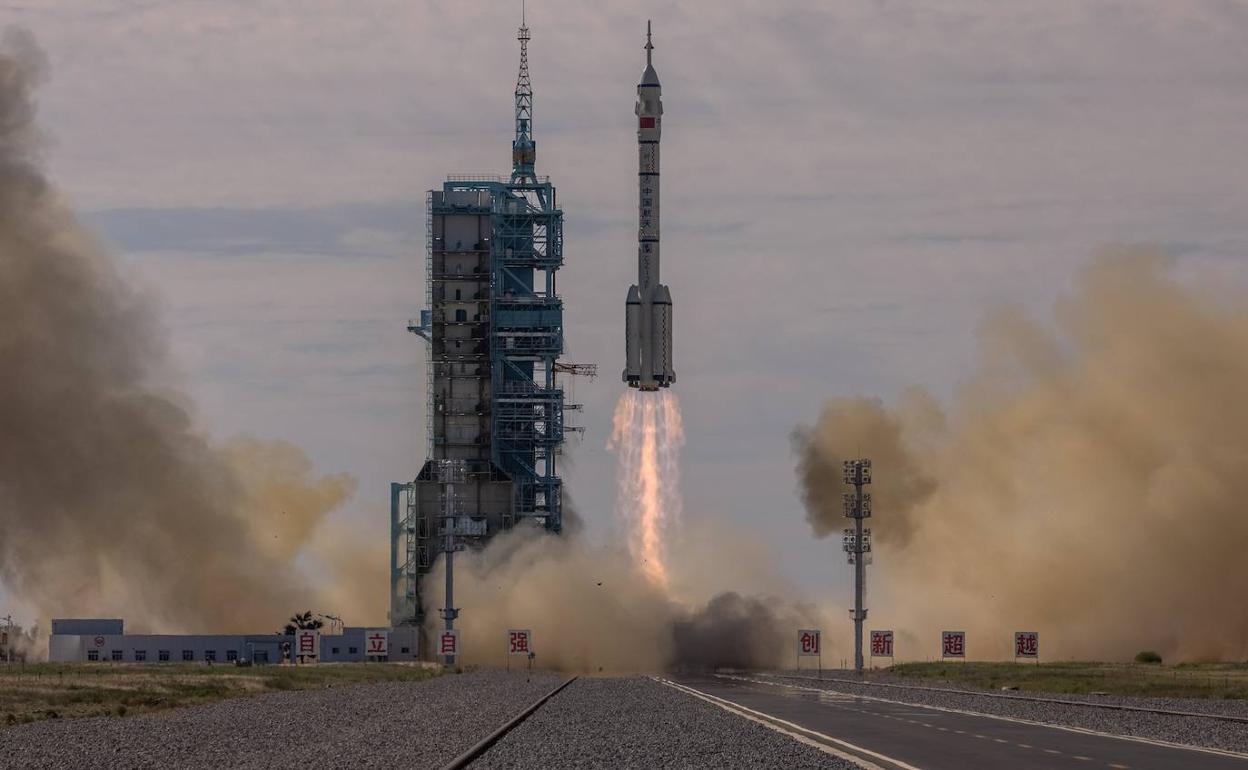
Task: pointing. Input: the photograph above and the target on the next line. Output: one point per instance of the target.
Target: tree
(300, 621)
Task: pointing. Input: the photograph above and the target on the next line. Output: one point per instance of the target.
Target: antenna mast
(523, 148)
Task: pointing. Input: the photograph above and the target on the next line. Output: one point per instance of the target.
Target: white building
(105, 640)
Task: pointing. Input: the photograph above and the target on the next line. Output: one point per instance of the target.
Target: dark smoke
(735, 631)
(112, 500)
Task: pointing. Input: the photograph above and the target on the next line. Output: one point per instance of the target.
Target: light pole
(452, 472)
(857, 541)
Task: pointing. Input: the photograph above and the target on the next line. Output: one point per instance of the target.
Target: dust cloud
(113, 502)
(1088, 482)
(596, 609)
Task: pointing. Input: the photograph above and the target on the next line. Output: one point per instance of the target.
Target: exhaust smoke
(113, 502)
(1088, 482)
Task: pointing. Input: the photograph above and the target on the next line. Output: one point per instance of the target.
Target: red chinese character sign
(881, 644)
(953, 644)
(808, 642)
(448, 643)
(1026, 644)
(307, 645)
(376, 643)
(519, 642)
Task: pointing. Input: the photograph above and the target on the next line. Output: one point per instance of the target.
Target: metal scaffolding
(494, 325)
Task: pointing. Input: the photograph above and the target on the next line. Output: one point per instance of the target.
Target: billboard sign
(1026, 644)
(448, 642)
(881, 644)
(519, 641)
(808, 642)
(377, 643)
(307, 645)
(953, 644)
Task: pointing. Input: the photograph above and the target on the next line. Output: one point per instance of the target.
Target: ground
(31, 692)
(1185, 680)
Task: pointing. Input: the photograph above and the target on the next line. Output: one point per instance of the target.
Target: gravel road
(397, 724)
(1192, 731)
(639, 723)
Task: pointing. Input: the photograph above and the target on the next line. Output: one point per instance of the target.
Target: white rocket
(648, 310)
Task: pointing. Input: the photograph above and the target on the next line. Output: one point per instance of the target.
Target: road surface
(897, 736)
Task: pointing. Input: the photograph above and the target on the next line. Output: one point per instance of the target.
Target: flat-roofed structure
(104, 640)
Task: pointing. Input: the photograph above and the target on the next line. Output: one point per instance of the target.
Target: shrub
(1147, 656)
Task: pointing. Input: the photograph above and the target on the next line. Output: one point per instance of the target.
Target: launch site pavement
(618, 723)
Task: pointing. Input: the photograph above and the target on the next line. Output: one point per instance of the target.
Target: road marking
(1121, 767)
(1016, 720)
(1082, 758)
(1052, 751)
(1025, 746)
(774, 723)
(982, 737)
(1000, 740)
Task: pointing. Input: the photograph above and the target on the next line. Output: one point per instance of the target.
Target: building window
(335, 649)
(119, 654)
(231, 655)
(352, 650)
(405, 650)
(188, 655)
(210, 655)
(93, 654)
(140, 656)
(262, 657)
(163, 655)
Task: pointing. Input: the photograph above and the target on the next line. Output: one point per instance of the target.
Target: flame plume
(648, 433)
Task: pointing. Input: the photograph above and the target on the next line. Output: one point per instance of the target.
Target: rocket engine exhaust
(648, 435)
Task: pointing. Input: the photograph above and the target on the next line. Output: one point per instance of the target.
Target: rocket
(648, 309)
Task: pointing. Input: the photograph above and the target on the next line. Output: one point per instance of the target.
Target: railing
(489, 178)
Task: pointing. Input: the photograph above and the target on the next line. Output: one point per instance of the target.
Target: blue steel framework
(519, 338)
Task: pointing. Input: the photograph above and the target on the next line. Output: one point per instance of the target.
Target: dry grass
(1185, 680)
(58, 690)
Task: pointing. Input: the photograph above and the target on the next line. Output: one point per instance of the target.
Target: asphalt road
(898, 736)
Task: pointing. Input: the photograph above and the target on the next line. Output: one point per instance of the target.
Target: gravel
(401, 724)
(1192, 731)
(639, 723)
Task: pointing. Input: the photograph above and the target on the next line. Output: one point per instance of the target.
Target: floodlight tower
(857, 541)
(454, 523)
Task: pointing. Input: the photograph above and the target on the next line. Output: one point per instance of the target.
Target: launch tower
(494, 325)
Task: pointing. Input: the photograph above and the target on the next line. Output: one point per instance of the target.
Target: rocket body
(648, 308)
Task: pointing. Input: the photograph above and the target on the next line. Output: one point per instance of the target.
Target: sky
(848, 188)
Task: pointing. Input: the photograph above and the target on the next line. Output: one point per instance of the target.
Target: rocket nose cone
(649, 77)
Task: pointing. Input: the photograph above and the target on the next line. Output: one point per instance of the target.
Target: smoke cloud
(597, 608)
(112, 500)
(1088, 482)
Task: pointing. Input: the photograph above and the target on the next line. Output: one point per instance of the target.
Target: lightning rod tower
(857, 541)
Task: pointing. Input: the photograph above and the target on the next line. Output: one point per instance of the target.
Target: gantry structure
(494, 327)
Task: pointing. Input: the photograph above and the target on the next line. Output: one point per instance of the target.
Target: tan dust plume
(112, 501)
(1089, 482)
(596, 609)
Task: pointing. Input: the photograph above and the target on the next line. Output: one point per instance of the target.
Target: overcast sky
(848, 186)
